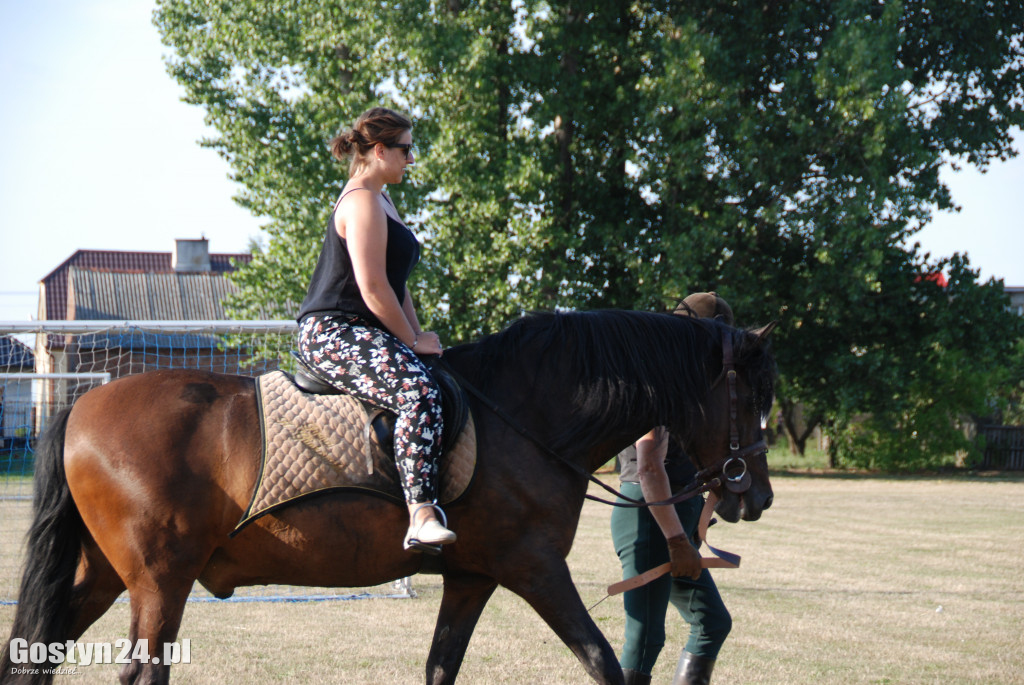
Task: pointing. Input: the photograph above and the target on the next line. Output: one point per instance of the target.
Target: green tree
(590, 154)
(949, 382)
(1009, 402)
(822, 129)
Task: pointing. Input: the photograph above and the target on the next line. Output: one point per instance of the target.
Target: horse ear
(763, 332)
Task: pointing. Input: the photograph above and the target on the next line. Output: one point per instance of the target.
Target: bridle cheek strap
(737, 455)
(728, 363)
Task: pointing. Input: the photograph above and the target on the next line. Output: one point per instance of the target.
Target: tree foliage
(923, 411)
(592, 154)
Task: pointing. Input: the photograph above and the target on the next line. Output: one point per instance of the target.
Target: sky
(101, 153)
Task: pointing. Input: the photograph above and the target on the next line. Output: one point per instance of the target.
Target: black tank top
(333, 289)
(680, 469)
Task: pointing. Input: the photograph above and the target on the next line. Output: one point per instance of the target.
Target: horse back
(175, 436)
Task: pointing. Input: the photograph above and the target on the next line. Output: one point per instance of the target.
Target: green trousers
(641, 546)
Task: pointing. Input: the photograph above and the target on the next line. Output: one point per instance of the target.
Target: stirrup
(435, 535)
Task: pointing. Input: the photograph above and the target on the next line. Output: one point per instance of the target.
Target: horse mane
(616, 363)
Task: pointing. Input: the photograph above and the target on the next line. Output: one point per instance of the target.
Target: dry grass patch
(879, 581)
(842, 582)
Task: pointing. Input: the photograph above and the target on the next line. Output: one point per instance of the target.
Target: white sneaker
(428, 537)
(433, 533)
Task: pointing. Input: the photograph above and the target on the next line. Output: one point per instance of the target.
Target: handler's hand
(684, 557)
(427, 342)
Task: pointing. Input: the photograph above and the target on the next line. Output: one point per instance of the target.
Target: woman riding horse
(358, 324)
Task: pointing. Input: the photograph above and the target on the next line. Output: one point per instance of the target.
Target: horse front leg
(550, 591)
(462, 602)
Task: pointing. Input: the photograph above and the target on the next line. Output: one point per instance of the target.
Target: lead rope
(722, 559)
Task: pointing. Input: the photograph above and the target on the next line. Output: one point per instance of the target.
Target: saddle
(316, 439)
(382, 422)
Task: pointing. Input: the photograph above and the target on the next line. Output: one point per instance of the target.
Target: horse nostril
(768, 502)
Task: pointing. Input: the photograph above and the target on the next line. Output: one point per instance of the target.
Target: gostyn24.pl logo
(122, 651)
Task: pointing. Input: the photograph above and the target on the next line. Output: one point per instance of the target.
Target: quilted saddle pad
(317, 443)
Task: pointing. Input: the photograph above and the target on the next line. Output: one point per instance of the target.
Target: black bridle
(735, 481)
(730, 470)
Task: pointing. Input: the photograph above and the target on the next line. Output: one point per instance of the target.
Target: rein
(514, 425)
(722, 559)
(704, 481)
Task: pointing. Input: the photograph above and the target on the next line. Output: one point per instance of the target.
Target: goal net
(46, 365)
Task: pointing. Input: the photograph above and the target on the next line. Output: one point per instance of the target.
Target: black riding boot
(693, 670)
(636, 677)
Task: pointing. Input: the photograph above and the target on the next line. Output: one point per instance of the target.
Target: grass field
(847, 579)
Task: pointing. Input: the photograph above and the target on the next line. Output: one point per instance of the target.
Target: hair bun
(343, 145)
(376, 125)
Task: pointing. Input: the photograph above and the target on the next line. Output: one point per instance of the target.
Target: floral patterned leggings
(375, 366)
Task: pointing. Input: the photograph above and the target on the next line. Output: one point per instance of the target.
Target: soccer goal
(46, 365)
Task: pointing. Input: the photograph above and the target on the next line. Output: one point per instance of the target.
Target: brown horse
(139, 484)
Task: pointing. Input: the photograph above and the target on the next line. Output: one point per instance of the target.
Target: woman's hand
(427, 342)
(684, 557)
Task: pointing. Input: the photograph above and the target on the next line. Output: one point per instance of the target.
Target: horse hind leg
(462, 602)
(156, 612)
(97, 585)
(159, 572)
(159, 578)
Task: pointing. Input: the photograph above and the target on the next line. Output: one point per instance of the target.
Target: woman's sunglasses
(404, 147)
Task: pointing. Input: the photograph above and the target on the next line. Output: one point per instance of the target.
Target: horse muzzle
(742, 497)
(749, 506)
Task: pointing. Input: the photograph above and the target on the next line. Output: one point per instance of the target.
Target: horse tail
(44, 611)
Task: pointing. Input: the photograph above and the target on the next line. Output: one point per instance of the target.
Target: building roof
(15, 354)
(128, 295)
(937, 277)
(55, 306)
